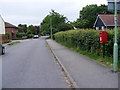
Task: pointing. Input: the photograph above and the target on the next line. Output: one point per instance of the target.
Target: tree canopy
(23, 28)
(89, 14)
(57, 21)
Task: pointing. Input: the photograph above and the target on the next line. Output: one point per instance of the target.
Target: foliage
(88, 40)
(32, 29)
(7, 34)
(20, 35)
(27, 32)
(22, 28)
(55, 21)
(64, 26)
(81, 23)
(30, 35)
(14, 43)
(89, 14)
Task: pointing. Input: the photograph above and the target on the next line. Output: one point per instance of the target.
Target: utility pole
(115, 53)
(51, 27)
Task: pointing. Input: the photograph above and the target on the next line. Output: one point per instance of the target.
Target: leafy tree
(81, 23)
(29, 31)
(65, 26)
(32, 29)
(89, 14)
(37, 29)
(22, 28)
(56, 20)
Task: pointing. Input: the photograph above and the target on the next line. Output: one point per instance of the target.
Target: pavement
(0, 72)
(30, 64)
(83, 71)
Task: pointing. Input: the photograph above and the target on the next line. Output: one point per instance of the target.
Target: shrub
(7, 34)
(88, 40)
(20, 35)
(30, 36)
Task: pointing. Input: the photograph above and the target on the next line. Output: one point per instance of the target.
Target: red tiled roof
(8, 25)
(108, 20)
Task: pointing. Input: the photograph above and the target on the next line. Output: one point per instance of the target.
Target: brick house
(11, 29)
(106, 22)
(3, 37)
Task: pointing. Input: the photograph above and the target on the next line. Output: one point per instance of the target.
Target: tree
(32, 29)
(81, 23)
(89, 14)
(37, 29)
(22, 28)
(56, 20)
(65, 26)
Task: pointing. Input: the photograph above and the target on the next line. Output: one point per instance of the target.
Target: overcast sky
(33, 11)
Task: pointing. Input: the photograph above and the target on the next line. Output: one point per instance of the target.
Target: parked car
(2, 49)
(36, 36)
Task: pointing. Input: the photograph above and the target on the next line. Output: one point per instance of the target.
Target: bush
(88, 40)
(7, 34)
(20, 35)
(30, 36)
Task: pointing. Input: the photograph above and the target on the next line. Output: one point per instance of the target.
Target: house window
(103, 27)
(97, 28)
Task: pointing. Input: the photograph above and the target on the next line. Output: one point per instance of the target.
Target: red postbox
(103, 36)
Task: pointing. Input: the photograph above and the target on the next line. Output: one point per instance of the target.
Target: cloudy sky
(33, 11)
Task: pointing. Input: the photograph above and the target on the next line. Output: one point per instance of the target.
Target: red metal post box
(103, 36)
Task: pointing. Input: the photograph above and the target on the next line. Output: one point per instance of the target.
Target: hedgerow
(88, 40)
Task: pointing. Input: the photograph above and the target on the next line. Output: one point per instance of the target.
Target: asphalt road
(30, 64)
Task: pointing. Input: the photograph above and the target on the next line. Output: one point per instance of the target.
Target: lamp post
(115, 53)
(51, 27)
(115, 5)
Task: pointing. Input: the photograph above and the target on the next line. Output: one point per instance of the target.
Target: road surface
(30, 64)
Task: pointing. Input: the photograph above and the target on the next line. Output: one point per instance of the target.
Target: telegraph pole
(51, 27)
(115, 53)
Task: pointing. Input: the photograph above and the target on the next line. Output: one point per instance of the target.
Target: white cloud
(28, 11)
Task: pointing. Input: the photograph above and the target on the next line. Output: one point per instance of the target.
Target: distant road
(30, 64)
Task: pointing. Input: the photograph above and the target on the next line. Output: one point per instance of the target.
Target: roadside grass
(5, 42)
(106, 61)
(48, 37)
(13, 43)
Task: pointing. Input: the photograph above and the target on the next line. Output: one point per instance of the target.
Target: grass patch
(48, 37)
(13, 43)
(5, 42)
(107, 61)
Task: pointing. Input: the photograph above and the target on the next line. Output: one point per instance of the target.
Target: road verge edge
(70, 80)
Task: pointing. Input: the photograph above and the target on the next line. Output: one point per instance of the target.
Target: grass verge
(13, 43)
(106, 61)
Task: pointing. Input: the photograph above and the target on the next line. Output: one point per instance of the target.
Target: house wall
(99, 23)
(2, 26)
(110, 27)
(2, 31)
(12, 32)
(3, 38)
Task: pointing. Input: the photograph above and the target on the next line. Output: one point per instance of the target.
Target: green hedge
(30, 35)
(88, 40)
(20, 35)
